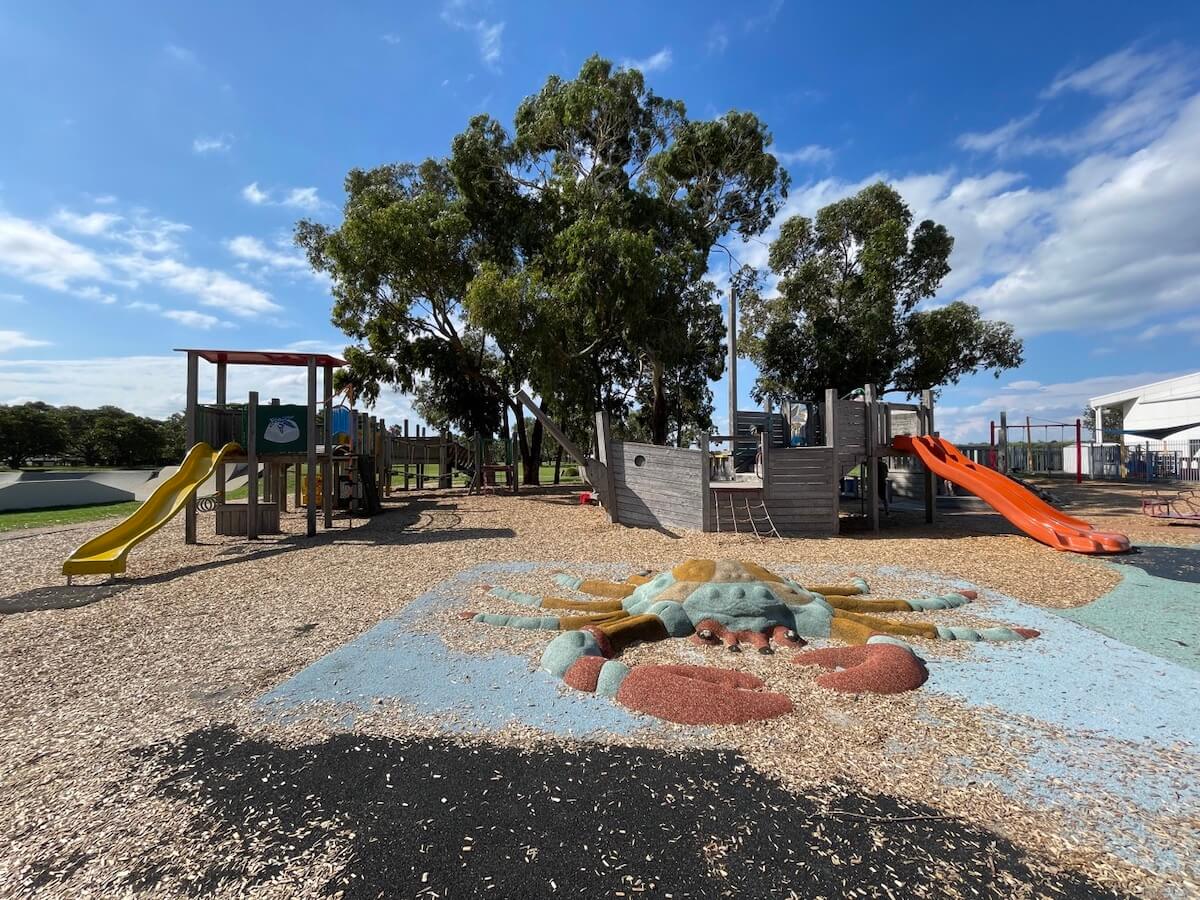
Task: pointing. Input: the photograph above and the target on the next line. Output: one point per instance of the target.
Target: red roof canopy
(264, 357)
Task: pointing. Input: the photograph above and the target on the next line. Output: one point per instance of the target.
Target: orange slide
(1021, 507)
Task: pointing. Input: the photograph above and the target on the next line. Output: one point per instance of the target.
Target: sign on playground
(282, 429)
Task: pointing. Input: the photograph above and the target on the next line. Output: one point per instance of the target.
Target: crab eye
(792, 636)
(705, 633)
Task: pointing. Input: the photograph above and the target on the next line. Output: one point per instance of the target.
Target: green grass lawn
(41, 518)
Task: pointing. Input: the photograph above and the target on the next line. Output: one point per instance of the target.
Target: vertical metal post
(446, 479)
(930, 478)
(1003, 454)
(1078, 451)
(871, 467)
(1028, 446)
(313, 500)
(731, 364)
(222, 381)
(252, 466)
(193, 392)
(327, 439)
(831, 400)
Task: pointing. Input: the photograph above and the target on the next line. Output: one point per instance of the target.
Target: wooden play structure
(413, 453)
(783, 474)
(340, 459)
(779, 473)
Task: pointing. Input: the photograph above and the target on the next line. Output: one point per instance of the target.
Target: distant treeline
(108, 436)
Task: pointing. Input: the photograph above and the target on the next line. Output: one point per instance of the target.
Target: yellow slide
(105, 554)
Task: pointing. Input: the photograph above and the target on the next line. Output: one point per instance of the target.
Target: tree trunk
(557, 465)
(658, 411)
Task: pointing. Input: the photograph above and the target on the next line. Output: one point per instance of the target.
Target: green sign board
(282, 429)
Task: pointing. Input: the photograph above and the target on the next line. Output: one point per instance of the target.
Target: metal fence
(1165, 461)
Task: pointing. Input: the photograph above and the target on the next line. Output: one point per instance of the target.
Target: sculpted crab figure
(730, 603)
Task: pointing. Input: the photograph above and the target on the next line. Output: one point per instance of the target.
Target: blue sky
(156, 158)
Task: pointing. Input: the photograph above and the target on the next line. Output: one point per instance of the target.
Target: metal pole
(1078, 451)
(313, 500)
(222, 379)
(252, 466)
(193, 391)
(327, 438)
(731, 365)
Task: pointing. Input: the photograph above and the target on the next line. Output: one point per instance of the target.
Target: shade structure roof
(1160, 434)
(264, 357)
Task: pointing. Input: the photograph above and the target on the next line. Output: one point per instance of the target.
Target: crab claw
(699, 695)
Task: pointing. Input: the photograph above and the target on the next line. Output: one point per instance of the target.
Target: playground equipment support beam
(327, 440)
(930, 478)
(252, 466)
(1003, 455)
(604, 445)
(731, 339)
(1078, 451)
(222, 382)
(193, 391)
(871, 468)
(831, 400)
(312, 447)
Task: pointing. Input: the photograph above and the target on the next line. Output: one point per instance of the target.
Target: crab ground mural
(730, 603)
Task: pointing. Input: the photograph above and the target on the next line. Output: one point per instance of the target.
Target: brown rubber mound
(1027, 632)
(868, 668)
(699, 695)
(584, 673)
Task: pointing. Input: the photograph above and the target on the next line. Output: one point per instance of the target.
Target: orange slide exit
(1021, 507)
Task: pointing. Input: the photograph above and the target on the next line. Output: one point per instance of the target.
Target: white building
(1163, 416)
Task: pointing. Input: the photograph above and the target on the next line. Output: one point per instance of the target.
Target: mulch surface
(1175, 563)
(439, 818)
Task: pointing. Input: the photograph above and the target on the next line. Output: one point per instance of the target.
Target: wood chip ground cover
(132, 735)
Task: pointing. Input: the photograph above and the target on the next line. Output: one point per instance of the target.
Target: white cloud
(253, 194)
(192, 319)
(1139, 94)
(989, 141)
(718, 40)
(220, 144)
(766, 18)
(13, 298)
(809, 154)
(391, 38)
(104, 200)
(208, 286)
(90, 224)
(16, 340)
(35, 254)
(488, 35)
(302, 198)
(251, 249)
(656, 62)
(181, 54)
(92, 292)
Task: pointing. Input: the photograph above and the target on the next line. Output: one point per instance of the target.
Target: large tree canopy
(569, 255)
(846, 313)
